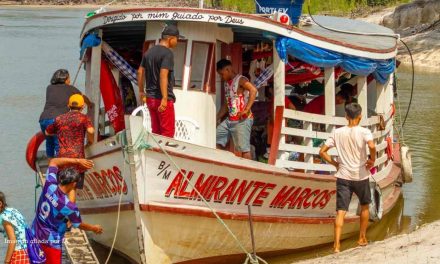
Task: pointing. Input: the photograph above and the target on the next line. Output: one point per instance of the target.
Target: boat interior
(293, 113)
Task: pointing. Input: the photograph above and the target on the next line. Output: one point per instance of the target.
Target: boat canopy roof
(247, 26)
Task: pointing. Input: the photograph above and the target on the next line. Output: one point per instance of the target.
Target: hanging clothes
(112, 98)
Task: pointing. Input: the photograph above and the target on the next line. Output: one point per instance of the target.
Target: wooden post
(94, 84)
(276, 135)
(390, 99)
(279, 86)
(330, 104)
(380, 98)
(279, 79)
(362, 95)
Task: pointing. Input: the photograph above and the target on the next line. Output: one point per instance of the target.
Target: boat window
(179, 62)
(202, 66)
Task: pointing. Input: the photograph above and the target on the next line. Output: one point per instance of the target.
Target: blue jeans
(240, 132)
(52, 146)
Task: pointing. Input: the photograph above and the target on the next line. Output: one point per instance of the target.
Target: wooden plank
(314, 118)
(276, 135)
(304, 133)
(305, 166)
(330, 104)
(279, 78)
(94, 83)
(308, 142)
(305, 149)
(381, 146)
(384, 133)
(362, 95)
(328, 120)
(380, 98)
(381, 160)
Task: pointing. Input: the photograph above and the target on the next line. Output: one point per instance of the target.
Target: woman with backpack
(15, 225)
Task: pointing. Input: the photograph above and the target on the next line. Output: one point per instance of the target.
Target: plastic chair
(186, 129)
(146, 121)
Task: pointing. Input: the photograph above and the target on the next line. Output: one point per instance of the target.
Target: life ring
(32, 149)
(407, 172)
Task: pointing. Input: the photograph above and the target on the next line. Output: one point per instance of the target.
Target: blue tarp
(381, 69)
(91, 40)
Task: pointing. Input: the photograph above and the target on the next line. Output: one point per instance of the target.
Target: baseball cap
(76, 100)
(172, 30)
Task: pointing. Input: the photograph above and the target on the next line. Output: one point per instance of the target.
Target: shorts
(20, 257)
(240, 132)
(80, 183)
(53, 255)
(346, 188)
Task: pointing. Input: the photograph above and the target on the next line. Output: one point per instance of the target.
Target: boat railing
(318, 128)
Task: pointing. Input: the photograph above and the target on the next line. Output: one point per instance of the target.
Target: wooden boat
(159, 216)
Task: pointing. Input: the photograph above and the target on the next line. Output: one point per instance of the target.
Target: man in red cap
(157, 70)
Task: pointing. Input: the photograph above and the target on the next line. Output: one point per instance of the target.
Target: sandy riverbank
(418, 247)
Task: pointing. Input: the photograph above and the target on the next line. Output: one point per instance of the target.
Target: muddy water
(35, 42)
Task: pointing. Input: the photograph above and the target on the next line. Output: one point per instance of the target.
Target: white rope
(248, 254)
(117, 219)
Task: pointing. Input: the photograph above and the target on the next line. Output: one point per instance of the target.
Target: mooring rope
(141, 144)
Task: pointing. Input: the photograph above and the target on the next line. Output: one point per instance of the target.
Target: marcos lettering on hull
(106, 183)
(234, 191)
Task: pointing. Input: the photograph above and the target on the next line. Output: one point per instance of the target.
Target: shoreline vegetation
(352, 8)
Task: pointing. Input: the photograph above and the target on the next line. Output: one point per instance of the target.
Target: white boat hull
(290, 210)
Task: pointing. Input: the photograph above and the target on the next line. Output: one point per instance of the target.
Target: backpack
(36, 254)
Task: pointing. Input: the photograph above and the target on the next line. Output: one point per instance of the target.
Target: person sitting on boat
(157, 67)
(57, 96)
(343, 97)
(240, 95)
(14, 225)
(353, 169)
(55, 209)
(70, 129)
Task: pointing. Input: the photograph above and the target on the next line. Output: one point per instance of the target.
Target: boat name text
(173, 16)
(219, 189)
(104, 184)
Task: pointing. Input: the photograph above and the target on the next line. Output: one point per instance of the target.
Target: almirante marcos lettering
(220, 189)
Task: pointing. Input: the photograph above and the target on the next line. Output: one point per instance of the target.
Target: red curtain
(112, 97)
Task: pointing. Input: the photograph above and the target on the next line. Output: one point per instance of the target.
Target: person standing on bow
(353, 169)
(157, 67)
(71, 129)
(14, 224)
(55, 209)
(57, 96)
(240, 95)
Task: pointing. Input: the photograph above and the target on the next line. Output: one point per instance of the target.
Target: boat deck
(76, 243)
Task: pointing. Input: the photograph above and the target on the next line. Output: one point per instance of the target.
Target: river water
(36, 42)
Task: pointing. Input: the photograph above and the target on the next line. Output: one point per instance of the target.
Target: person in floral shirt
(14, 224)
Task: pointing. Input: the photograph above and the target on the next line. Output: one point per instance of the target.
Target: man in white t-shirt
(353, 169)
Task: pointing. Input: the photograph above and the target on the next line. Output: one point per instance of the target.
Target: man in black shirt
(157, 67)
